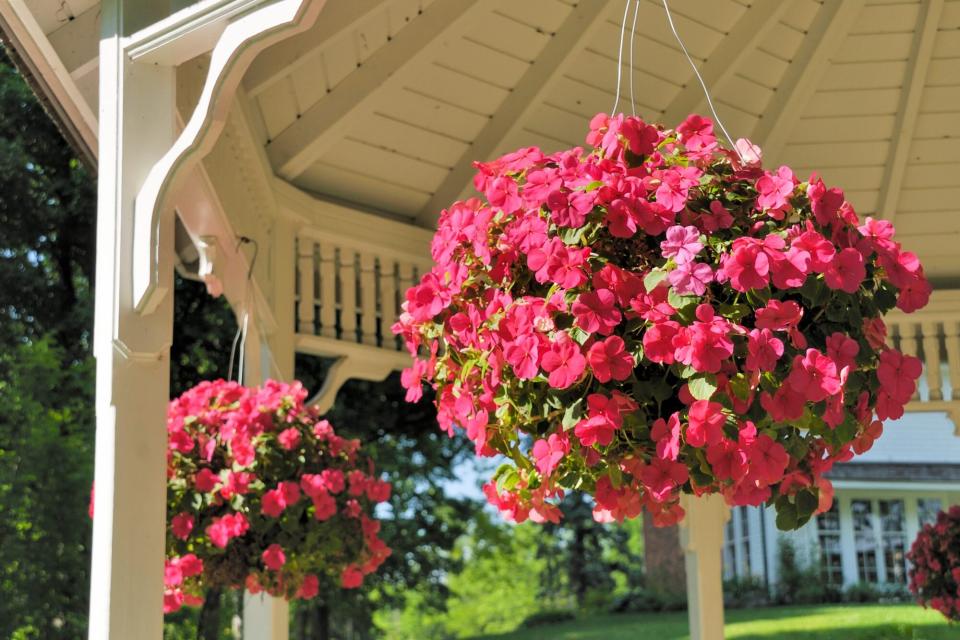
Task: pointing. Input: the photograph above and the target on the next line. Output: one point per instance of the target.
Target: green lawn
(834, 622)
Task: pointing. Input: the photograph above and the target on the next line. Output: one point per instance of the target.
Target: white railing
(933, 335)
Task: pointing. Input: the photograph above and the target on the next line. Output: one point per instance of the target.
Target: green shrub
(749, 591)
(645, 600)
(861, 592)
(548, 616)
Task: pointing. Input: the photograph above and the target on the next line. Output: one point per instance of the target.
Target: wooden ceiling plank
(307, 138)
(723, 62)
(827, 31)
(906, 119)
(512, 113)
(281, 59)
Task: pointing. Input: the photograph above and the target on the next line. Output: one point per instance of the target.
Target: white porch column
(132, 350)
(701, 536)
(264, 617)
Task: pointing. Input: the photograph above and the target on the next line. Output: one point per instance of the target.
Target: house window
(831, 557)
(745, 540)
(729, 551)
(927, 510)
(893, 531)
(865, 540)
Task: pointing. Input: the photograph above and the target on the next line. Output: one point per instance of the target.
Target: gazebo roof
(384, 104)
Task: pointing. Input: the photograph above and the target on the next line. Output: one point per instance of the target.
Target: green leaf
(740, 386)
(702, 387)
(678, 301)
(572, 415)
(653, 279)
(807, 502)
(786, 515)
(572, 236)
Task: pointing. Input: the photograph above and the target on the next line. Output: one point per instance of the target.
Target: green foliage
(499, 585)
(748, 591)
(45, 469)
(801, 582)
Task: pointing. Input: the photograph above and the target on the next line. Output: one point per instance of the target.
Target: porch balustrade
(933, 335)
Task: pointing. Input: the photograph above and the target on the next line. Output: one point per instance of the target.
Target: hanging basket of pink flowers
(657, 314)
(263, 495)
(935, 564)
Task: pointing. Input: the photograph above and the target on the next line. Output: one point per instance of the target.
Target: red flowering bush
(263, 494)
(659, 314)
(935, 564)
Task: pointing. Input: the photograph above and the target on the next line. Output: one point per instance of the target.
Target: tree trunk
(208, 627)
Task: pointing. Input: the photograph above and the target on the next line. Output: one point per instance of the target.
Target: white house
(882, 499)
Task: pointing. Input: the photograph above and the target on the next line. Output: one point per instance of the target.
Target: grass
(826, 622)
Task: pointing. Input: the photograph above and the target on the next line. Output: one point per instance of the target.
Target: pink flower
(276, 500)
(273, 557)
(661, 477)
(550, 452)
(779, 316)
(324, 506)
(825, 203)
(206, 480)
(502, 194)
(181, 525)
(750, 154)
(563, 362)
(289, 438)
(411, 379)
(333, 480)
(696, 133)
(846, 271)
(768, 459)
(351, 577)
(658, 342)
(522, 354)
(775, 189)
(842, 349)
(691, 277)
(675, 183)
(570, 208)
(309, 588)
(705, 344)
(603, 419)
(682, 244)
(705, 423)
(898, 374)
(596, 311)
(814, 375)
(763, 350)
(747, 266)
(609, 360)
(875, 332)
(666, 433)
(190, 565)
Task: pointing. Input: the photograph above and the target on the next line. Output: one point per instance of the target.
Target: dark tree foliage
(47, 210)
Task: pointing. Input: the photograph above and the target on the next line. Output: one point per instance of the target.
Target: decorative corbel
(238, 45)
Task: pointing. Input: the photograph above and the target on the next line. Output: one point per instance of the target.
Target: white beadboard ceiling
(384, 103)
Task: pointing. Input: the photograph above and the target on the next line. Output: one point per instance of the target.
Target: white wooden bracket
(345, 368)
(248, 27)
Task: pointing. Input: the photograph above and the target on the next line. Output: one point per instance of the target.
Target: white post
(701, 537)
(265, 617)
(132, 350)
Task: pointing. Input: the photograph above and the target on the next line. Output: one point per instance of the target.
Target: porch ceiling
(385, 103)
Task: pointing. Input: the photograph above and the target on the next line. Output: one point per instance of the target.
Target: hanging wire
(241, 335)
(703, 84)
(623, 28)
(633, 37)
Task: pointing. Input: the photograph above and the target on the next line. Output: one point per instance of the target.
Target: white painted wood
(831, 24)
(914, 81)
(328, 290)
(236, 47)
(907, 332)
(511, 115)
(187, 33)
(131, 350)
(368, 298)
(930, 333)
(306, 261)
(347, 278)
(388, 301)
(321, 125)
(701, 537)
(284, 59)
(725, 60)
(265, 618)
